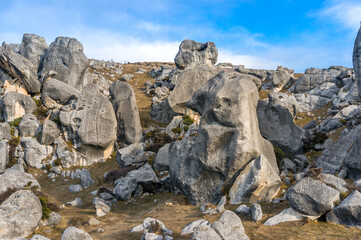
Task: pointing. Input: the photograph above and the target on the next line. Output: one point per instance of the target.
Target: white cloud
(347, 13)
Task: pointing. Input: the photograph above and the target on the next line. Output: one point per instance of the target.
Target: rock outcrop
(15, 178)
(66, 57)
(15, 105)
(56, 93)
(356, 60)
(20, 215)
(34, 48)
(228, 139)
(126, 111)
(90, 124)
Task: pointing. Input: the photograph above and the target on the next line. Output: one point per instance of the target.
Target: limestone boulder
(126, 110)
(74, 233)
(193, 53)
(49, 133)
(35, 153)
(16, 178)
(20, 215)
(312, 197)
(66, 57)
(20, 68)
(4, 155)
(15, 105)
(56, 93)
(356, 60)
(229, 226)
(34, 48)
(228, 139)
(90, 124)
(29, 126)
(285, 100)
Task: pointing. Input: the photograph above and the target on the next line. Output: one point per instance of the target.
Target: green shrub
(177, 130)
(279, 154)
(15, 122)
(41, 112)
(37, 102)
(185, 128)
(343, 121)
(187, 120)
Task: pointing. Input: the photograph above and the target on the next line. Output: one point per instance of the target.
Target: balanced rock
(126, 111)
(91, 124)
(66, 57)
(228, 139)
(194, 53)
(20, 214)
(33, 47)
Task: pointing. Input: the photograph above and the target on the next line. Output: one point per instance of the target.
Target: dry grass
(303, 118)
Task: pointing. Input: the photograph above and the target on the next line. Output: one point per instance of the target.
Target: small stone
(256, 212)
(93, 222)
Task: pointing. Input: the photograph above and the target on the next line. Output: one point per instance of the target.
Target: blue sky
(256, 33)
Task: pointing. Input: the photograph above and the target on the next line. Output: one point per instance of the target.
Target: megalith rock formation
(90, 124)
(66, 57)
(228, 140)
(356, 59)
(126, 111)
(33, 47)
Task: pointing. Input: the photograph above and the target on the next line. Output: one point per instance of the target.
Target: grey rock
(4, 155)
(85, 178)
(347, 112)
(127, 155)
(15, 105)
(338, 183)
(33, 47)
(356, 60)
(310, 125)
(75, 188)
(193, 53)
(344, 153)
(243, 209)
(126, 77)
(218, 209)
(205, 233)
(35, 153)
(77, 202)
(228, 138)
(277, 126)
(288, 215)
(93, 222)
(56, 93)
(285, 100)
(312, 197)
(161, 161)
(307, 102)
(162, 112)
(191, 227)
(188, 82)
(73, 233)
(330, 124)
(66, 57)
(258, 182)
(256, 212)
(148, 226)
(92, 125)
(68, 156)
(229, 226)
(348, 212)
(101, 209)
(20, 68)
(53, 220)
(20, 214)
(5, 131)
(151, 236)
(287, 164)
(281, 77)
(16, 178)
(126, 111)
(29, 126)
(49, 133)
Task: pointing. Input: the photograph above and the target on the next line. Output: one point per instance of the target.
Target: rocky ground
(95, 149)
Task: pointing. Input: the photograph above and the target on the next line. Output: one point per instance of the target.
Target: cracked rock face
(228, 139)
(356, 59)
(66, 57)
(90, 124)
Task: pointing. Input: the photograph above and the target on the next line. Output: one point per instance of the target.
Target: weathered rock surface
(277, 126)
(73, 233)
(68, 156)
(193, 53)
(29, 126)
(205, 233)
(285, 100)
(256, 212)
(188, 82)
(4, 155)
(66, 57)
(49, 133)
(21, 68)
(191, 227)
(348, 212)
(228, 138)
(35, 153)
(229, 226)
(356, 60)
(288, 215)
(33, 47)
(91, 125)
(20, 214)
(126, 110)
(16, 178)
(344, 153)
(56, 93)
(312, 197)
(258, 182)
(15, 105)
(161, 161)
